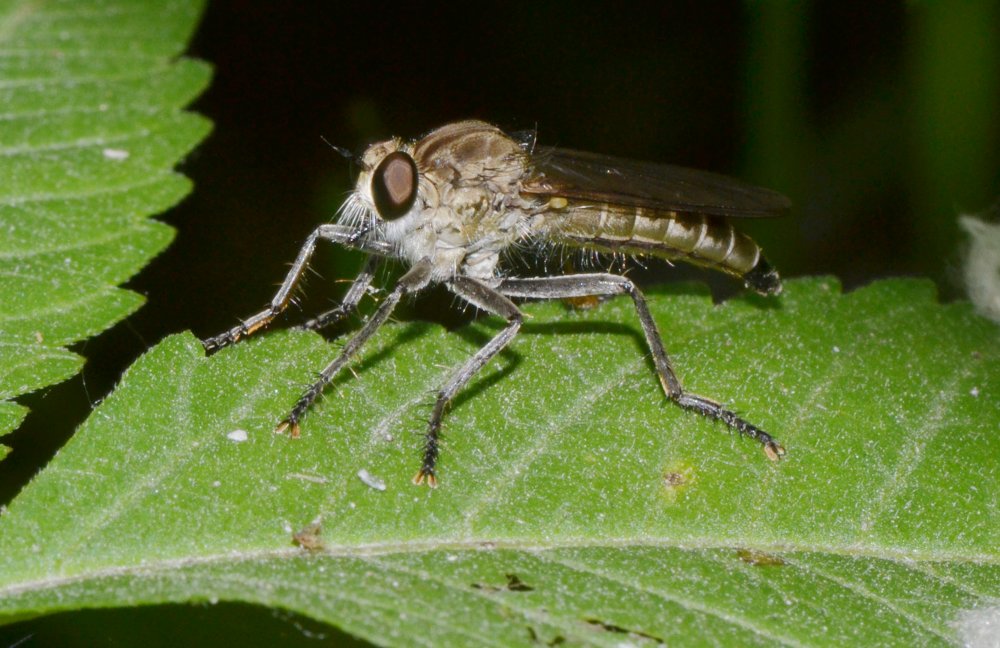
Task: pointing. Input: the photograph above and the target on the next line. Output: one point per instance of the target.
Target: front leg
(346, 236)
(349, 303)
(585, 285)
(488, 299)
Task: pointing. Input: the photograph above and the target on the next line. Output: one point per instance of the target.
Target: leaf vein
(912, 453)
(685, 602)
(864, 592)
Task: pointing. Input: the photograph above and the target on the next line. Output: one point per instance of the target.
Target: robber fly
(452, 202)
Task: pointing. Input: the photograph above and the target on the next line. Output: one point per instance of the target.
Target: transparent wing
(589, 177)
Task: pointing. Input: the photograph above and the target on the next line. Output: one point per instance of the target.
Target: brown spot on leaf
(759, 558)
(308, 538)
(514, 584)
(597, 624)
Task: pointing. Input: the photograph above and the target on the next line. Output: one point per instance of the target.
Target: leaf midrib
(905, 558)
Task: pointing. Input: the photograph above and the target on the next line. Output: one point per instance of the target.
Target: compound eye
(394, 185)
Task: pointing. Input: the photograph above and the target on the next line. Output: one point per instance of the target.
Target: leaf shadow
(478, 338)
(479, 333)
(513, 358)
(369, 361)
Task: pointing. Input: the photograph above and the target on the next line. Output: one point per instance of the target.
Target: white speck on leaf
(974, 392)
(116, 154)
(371, 480)
(239, 436)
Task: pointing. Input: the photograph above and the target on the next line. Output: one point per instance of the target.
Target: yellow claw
(774, 451)
(286, 425)
(421, 475)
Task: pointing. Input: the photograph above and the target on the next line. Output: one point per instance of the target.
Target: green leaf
(92, 96)
(576, 504)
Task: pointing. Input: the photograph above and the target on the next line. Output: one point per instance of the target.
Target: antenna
(341, 151)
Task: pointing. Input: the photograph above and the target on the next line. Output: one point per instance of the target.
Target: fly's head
(386, 201)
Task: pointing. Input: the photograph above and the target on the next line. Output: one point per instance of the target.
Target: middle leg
(488, 299)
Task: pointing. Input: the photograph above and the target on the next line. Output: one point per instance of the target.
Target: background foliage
(91, 131)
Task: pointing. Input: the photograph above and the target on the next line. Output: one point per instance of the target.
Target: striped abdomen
(709, 241)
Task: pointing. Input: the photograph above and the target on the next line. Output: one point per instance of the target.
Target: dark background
(877, 120)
